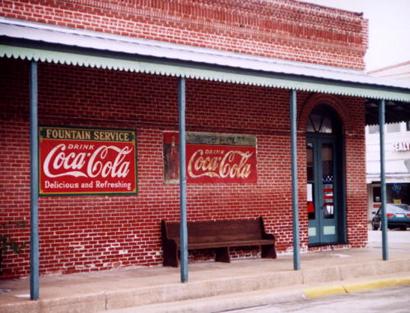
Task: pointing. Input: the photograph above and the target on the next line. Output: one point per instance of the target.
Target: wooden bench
(219, 236)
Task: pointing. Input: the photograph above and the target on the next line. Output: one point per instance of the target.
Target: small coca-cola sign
(212, 158)
(77, 161)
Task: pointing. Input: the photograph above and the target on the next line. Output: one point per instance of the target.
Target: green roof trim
(157, 66)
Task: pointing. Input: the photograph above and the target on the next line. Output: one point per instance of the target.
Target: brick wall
(88, 233)
(284, 29)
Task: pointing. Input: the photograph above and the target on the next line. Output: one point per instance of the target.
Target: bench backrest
(217, 231)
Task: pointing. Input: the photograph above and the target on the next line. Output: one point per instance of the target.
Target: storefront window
(319, 124)
(393, 128)
(395, 193)
(376, 194)
(373, 129)
(310, 182)
(327, 172)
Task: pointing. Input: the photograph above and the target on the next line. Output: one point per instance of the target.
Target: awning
(391, 178)
(396, 111)
(40, 42)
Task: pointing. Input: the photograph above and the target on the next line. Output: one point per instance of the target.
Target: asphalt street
(396, 300)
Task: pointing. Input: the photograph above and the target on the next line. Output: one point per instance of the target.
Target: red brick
(86, 233)
(283, 29)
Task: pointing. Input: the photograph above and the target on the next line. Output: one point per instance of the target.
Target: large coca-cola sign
(212, 158)
(87, 161)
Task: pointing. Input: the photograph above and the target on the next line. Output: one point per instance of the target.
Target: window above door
(323, 120)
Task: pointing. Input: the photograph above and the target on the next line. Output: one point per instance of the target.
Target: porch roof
(40, 42)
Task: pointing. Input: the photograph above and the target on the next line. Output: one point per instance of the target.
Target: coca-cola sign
(87, 161)
(212, 158)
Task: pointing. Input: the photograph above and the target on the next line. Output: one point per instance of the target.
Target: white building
(397, 144)
(397, 156)
(399, 71)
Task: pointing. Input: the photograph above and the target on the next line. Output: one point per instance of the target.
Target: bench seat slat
(229, 244)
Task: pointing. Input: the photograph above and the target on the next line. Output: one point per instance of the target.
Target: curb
(221, 303)
(314, 293)
(261, 298)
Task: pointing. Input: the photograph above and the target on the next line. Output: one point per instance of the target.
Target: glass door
(322, 202)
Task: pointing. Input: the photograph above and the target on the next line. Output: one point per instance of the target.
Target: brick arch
(332, 101)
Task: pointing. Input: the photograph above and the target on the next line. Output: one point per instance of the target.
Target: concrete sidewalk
(139, 287)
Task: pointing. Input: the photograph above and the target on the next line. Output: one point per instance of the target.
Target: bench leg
(170, 256)
(268, 252)
(222, 255)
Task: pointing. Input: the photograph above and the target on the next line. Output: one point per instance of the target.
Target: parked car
(398, 216)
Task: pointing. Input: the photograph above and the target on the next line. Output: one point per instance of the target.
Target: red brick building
(104, 65)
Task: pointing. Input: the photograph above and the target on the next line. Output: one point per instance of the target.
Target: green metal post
(295, 209)
(34, 237)
(182, 182)
(382, 108)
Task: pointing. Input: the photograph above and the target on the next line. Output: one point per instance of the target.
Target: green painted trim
(197, 71)
(342, 235)
(383, 196)
(294, 175)
(34, 186)
(183, 231)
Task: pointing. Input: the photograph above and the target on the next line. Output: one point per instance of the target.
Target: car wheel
(403, 228)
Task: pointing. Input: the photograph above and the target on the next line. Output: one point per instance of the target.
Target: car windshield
(397, 208)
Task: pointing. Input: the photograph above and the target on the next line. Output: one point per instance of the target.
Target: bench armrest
(269, 237)
(265, 235)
